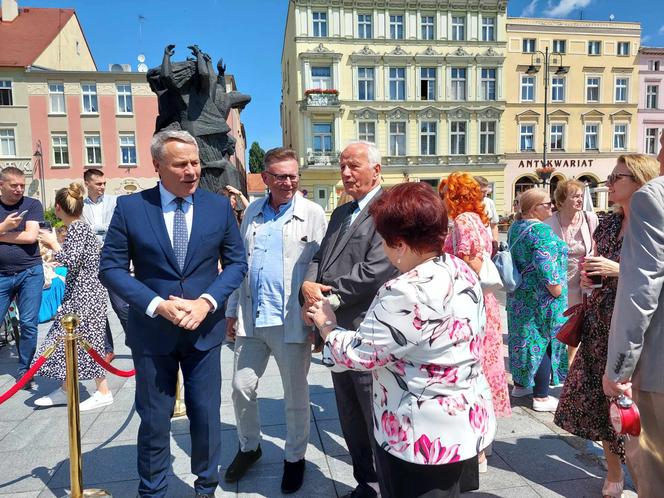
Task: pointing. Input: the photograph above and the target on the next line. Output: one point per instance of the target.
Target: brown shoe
(109, 356)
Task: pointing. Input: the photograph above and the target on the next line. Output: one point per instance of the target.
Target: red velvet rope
(106, 365)
(24, 380)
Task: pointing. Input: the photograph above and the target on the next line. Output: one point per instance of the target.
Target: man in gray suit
(636, 340)
(349, 269)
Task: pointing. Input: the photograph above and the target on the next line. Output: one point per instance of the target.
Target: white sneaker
(521, 392)
(548, 405)
(56, 398)
(97, 400)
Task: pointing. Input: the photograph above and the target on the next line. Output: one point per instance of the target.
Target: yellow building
(593, 93)
(423, 80)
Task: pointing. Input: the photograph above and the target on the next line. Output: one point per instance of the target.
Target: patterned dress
(472, 239)
(584, 409)
(85, 296)
(534, 316)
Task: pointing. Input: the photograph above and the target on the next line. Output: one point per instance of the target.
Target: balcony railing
(322, 159)
(322, 98)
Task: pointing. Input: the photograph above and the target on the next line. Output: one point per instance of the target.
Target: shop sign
(557, 163)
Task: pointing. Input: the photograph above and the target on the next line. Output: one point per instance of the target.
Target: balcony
(319, 98)
(322, 159)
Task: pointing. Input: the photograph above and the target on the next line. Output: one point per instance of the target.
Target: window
(7, 143)
(60, 149)
(428, 28)
(651, 141)
(458, 28)
(592, 89)
(621, 89)
(457, 137)
(557, 89)
(93, 149)
(320, 23)
(321, 77)
(365, 83)
(652, 92)
(590, 139)
(6, 97)
(527, 138)
(56, 98)
(396, 27)
(364, 26)
(653, 65)
(128, 149)
(488, 84)
(125, 104)
(623, 48)
(397, 83)
(366, 130)
(527, 88)
(428, 138)
(322, 137)
(559, 46)
(594, 48)
(529, 45)
(558, 136)
(620, 137)
(398, 138)
(89, 97)
(428, 83)
(487, 137)
(458, 83)
(488, 29)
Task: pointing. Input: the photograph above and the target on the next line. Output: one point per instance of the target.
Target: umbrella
(587, 200)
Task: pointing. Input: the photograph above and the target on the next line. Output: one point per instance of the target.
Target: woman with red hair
(469, 240)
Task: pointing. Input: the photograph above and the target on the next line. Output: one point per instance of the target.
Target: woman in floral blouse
(423, 339)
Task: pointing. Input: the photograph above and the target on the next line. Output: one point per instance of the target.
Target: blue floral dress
(534, 316)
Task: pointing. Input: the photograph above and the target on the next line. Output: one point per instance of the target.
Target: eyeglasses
(614, 177)
(547, 204)
(283, 178)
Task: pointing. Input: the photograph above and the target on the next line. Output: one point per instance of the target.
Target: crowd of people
(396, 291)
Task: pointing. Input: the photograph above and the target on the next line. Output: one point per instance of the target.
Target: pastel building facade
(424, 81)
(651, 99)
(592, 101)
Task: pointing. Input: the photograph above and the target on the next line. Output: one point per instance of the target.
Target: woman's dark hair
(412, 213)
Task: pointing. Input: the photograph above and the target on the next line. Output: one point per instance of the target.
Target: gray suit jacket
(636, 341)
(354, 266)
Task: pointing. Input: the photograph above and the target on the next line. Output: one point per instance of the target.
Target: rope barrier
(29, 374)
(103, 363)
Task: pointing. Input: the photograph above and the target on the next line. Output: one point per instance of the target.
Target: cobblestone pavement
(531, 457)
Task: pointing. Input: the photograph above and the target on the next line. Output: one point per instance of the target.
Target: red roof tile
(255, 183)
(27, 36)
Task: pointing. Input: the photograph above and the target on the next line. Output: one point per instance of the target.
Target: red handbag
(570, 333)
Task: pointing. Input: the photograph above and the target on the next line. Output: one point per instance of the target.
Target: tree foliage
(256, 155)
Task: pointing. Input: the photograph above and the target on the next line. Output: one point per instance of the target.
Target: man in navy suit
(175, 235)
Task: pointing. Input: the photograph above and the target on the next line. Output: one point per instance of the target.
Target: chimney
(9, 10)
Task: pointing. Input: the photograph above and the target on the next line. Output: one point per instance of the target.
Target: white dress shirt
(168, 207)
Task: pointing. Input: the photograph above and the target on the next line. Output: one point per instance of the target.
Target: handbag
(572, 330)
(509, 273)
(489, 277)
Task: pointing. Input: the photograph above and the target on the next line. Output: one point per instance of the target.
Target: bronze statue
(192, 97)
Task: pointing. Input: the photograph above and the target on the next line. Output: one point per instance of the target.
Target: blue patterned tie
(180, 235)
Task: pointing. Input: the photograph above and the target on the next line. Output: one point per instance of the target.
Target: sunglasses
(547, 204)
(614, 177)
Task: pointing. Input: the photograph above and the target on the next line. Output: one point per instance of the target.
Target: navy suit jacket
(137, 234)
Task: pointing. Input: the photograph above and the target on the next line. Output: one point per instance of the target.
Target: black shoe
(293, 475)
(361, 491)
(241, 463)
(29, 386)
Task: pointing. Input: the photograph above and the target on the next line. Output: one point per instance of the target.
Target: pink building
(651, 99)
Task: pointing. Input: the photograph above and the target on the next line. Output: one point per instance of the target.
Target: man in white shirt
(489, 207)
(98, 210)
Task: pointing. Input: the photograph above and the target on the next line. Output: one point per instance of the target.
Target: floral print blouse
(422, 338)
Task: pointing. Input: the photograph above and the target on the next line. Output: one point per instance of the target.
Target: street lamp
(549, 57)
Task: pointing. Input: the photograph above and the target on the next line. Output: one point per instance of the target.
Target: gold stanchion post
(179, 409)
(70, 322)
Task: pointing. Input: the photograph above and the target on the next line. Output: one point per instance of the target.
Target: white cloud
(661, 31)
(564, 7)
(529, 10)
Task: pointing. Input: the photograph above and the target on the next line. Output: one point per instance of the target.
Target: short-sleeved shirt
(491, 212)
(19, 257)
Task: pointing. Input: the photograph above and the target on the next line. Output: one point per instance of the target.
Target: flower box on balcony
(325, 91)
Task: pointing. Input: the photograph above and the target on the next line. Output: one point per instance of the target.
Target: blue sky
(248, 34)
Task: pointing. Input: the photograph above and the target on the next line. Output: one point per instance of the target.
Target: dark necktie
(180, 234)
(352, 206)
